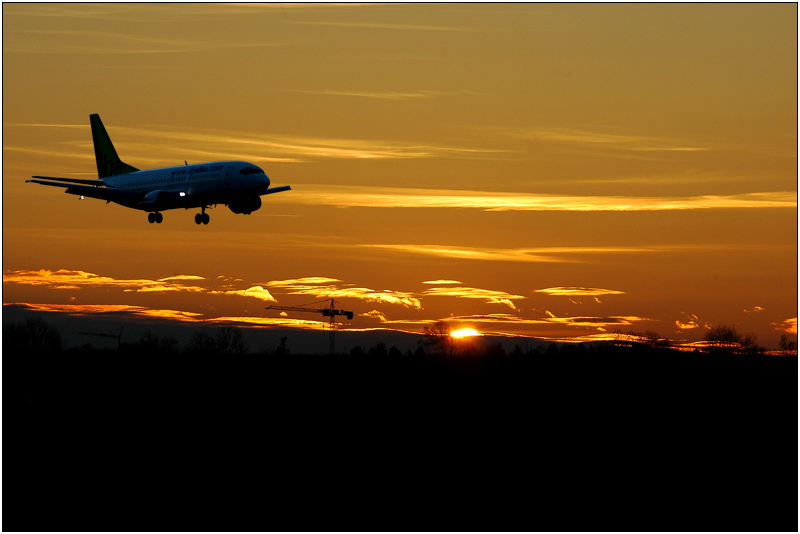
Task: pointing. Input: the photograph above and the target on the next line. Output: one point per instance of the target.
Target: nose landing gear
(202, 217)
(154, 218)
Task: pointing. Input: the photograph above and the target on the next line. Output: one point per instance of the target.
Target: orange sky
(556, 170)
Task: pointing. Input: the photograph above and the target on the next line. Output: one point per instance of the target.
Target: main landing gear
(202, 217)
(154, 218)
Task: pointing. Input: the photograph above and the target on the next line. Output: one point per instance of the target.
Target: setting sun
(464, 332)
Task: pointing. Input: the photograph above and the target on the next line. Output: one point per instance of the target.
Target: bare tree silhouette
(230, 340)
(727, 339)
(723, 338)
(787, 346)
(201, 343)
(438, 337)
(151, 342)
(33, 336)
(655, 340)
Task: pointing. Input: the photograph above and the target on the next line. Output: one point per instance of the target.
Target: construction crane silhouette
(118, 337)
(330, 312)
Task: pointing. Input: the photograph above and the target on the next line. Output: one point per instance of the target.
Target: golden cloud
(267, 321)
(69, 279)
(607, 140)
(690, 322)
(597, 322)
(578, 291)
(302, 282)
(488, 295)
(789, 326)
(472, 253)
(387, 197)
(254, 292)
(91, 309)
(374, 314)
(330, 288)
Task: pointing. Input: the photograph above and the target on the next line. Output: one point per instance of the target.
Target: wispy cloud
(82, 310)
(538, 254)
(626, 142)
(331, 288)
(86, 42)
(689, 321)
(470, 253)
(385, 197)
(286, 148)
(69, 279)
(281, 321)
(318, 287)
(578, 291)
(488, 295)
(390, 26)
(74, 279)
(374, 314)
(380, 95)
(257, 292)
(789, 326)
(596, 322)
(441, 282)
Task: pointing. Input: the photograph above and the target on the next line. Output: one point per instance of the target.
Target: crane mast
(118, 337)
(330, 312)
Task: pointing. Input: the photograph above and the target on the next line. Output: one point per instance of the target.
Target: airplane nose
(263, 183)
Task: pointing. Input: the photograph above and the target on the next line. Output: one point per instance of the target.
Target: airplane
(236, 184)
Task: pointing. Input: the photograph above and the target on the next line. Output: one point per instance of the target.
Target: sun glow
(464, 332)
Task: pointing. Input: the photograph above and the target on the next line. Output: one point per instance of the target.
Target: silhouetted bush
(226, 340)
(151, 343)
(281, 349)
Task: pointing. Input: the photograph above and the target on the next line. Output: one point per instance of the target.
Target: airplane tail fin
(108, 163)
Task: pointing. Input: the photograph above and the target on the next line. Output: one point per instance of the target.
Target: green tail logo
(108, 163)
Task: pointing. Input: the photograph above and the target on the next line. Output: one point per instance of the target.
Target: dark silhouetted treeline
(561, 438)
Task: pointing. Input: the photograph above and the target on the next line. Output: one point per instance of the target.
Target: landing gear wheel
(151, 218)
(198, 218)
(159, 218)
(206, 218)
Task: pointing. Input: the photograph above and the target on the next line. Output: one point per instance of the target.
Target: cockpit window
(251, 170)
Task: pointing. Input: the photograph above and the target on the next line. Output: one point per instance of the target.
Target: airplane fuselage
(232, 183)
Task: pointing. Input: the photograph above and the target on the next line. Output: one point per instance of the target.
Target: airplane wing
(99, 183)
(92, 191)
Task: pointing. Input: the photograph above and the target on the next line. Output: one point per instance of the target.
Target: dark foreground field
(605, 439)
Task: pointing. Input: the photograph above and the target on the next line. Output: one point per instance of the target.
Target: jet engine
(246, 205)
(156, 199)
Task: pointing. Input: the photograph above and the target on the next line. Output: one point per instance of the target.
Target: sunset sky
(551, 170)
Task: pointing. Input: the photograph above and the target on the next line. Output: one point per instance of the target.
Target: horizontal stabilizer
(276, 190)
